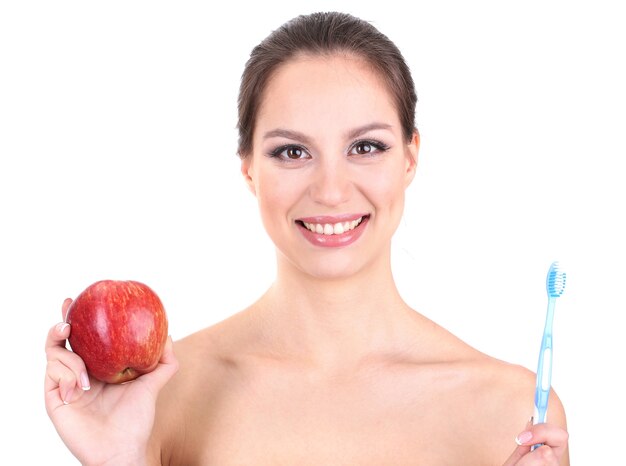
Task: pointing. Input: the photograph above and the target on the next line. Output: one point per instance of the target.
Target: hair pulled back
(323, 34)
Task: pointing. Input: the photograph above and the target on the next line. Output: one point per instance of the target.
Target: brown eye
(363, 148)
(368, 148)
(294, 152)
(289, 153)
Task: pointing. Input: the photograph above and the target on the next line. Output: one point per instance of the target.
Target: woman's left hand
(552, 452)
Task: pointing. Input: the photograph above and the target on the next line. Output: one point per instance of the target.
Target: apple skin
(118, 328)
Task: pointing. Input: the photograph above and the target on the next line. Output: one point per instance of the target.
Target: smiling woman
(330, 365)
(329, 148)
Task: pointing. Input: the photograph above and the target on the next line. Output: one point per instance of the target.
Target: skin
(330, 365)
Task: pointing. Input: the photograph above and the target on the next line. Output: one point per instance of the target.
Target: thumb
(521, 449)
(165, 370)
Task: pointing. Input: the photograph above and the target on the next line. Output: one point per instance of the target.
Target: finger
(548, 434)
(165, 370)
(544, 456)
(57, 335)
(56, 352)
(521, 449)
(61, 385)
(65, 308)
(73, 362)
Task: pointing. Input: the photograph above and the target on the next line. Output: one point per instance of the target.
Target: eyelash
(379, 146)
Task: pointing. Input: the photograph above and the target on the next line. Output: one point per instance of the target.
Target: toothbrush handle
(544, 373)
(544, 370)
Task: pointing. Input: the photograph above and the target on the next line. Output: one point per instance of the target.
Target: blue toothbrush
(555, 285)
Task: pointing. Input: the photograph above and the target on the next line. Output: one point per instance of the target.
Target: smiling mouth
(330, 229)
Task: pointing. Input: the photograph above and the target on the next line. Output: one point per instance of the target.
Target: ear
(412, 151)
(247, 170)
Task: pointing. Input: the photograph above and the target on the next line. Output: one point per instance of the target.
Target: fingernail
(61, 326)
(68, 396)
(524, 437)
(84, 381)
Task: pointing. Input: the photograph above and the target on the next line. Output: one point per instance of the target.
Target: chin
(331, 263)
(335, 268)
(333, 273)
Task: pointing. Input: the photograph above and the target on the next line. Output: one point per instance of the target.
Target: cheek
(276, 192)
(385, 187)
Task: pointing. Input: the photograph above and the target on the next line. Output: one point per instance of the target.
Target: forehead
(325, 92)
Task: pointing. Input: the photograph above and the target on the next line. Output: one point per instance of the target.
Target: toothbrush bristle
(556, 281)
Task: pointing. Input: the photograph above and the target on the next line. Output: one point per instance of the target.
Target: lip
(333, 241)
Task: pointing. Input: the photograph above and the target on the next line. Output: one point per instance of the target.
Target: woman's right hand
(101, 423)
(552, 452)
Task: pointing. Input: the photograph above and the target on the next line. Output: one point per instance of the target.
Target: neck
(334, 323)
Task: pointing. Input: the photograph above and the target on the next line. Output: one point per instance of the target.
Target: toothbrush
(555, 285)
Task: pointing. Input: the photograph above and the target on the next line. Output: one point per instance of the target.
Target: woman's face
(329, 165)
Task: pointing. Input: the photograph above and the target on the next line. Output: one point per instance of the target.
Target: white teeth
(333, 229)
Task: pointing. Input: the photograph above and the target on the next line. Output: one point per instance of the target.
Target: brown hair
(321, 34)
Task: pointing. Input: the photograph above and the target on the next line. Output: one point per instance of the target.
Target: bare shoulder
(498, 388)
(205, 357)
(490, 399)
(500, 397)
(198, 388)
(513, 387)
(507, 388)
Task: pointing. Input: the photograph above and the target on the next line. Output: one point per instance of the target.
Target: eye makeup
(294, 152)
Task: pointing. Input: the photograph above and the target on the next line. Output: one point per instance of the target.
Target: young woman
(330, 365)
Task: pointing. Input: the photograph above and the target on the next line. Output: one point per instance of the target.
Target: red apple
(118, 328)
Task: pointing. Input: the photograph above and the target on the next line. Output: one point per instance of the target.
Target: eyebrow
(298, 136)
(356, 132)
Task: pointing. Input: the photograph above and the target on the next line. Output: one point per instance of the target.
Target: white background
(117, 146)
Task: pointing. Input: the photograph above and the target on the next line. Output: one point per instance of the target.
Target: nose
(331, 182)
